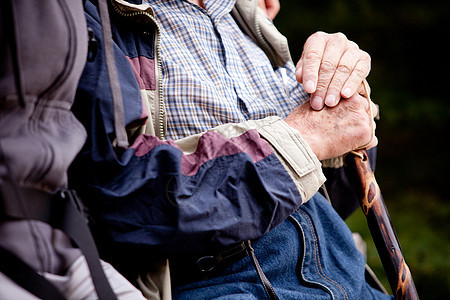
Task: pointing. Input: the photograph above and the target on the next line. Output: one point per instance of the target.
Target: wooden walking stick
(381, 229)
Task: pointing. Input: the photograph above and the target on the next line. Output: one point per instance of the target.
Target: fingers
(329, 82)
(309, 64)
(361, 61)
(331, 67)
(364, 89)
(373, 143)
(373, 112)
(365, 112)
(374, 140)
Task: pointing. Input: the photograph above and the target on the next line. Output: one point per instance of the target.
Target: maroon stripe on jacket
(144, 70)
(210, 146)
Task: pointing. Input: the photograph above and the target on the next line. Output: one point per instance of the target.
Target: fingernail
(309, 86)
(347, 93)
(317, 103)
(330, 100)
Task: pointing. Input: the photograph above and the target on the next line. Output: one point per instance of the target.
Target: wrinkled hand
(334, 131)
(331, 67)
(271, 7)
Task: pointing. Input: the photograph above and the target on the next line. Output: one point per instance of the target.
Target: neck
(198, 2)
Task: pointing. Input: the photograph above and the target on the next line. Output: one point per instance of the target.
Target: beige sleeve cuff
(296, 156)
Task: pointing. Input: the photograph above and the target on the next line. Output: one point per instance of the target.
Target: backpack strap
(62, 210)
(24, 276)
(116, 93)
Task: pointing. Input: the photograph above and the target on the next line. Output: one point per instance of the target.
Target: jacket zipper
(297, 224)
(160, 130)
(265, 44)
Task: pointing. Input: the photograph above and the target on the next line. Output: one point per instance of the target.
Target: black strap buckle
(225, 257)
(72, 196)
(206, 263)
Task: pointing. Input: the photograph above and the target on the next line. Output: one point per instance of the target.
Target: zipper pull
(92, 45)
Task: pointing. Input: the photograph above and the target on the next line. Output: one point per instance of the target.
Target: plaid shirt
(213, 73)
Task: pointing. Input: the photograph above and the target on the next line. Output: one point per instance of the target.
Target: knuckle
(338, 39)
(365, 56)
(339, 36)
(352, 45)
(313, 55)
(344, 69)
(372, 143)
(327, 66)
(360, 73)
(320, 34)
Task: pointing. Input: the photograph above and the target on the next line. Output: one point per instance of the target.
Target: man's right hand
(334, 131)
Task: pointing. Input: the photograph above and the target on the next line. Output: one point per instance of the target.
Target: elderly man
(226, 137)
(220, 167)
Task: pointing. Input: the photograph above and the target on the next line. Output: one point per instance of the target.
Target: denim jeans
(311, 255)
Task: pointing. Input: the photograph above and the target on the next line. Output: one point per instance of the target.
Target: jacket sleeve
(232, 183)
(229, 184)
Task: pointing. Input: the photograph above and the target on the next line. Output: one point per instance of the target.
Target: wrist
(307, 133)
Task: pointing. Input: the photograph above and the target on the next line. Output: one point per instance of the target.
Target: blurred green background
(409, 45)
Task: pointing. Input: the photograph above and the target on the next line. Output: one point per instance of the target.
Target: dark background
(409, 45)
